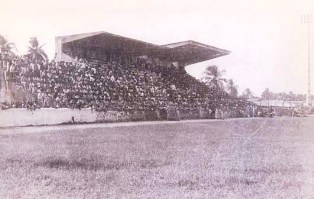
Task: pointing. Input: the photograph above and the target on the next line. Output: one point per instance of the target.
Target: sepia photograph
(156, 99)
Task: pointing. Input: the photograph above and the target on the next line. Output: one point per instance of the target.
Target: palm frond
(35, 50)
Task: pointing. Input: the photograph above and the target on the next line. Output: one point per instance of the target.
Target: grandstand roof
(186, 52)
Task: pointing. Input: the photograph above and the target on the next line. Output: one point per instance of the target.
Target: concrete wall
(47, 116)
(50, 116)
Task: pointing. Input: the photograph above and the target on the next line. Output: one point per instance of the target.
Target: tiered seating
(105, 85)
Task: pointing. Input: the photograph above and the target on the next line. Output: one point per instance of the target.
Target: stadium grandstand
(103, 71)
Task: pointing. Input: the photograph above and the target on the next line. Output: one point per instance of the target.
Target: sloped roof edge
(195, 43)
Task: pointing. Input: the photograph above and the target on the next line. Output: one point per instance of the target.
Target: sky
(268, 42)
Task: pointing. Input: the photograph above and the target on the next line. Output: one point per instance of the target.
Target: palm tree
(212, 77)
(232, 88)
(35, 50)
(6, 46)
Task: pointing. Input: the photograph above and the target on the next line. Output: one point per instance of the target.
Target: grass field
(243, 158)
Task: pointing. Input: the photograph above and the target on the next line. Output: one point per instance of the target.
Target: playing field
(240, 158)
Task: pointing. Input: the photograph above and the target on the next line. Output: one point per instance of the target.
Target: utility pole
(307, 19)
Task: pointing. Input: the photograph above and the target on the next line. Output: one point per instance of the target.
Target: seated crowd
(108, 85)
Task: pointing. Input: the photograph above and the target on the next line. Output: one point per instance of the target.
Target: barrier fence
(50, 116)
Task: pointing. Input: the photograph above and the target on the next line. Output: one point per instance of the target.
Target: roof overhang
(186, 53)
(190, 52)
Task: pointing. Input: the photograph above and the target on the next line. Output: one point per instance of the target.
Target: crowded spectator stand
(112, 85)
(117, 82)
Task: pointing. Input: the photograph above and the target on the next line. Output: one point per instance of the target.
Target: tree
(35, 50)
(6, 46)
(247, 93)
(232, 88)
(212, 77)
(267, 95)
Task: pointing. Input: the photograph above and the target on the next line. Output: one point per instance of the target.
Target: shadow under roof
(186, 52)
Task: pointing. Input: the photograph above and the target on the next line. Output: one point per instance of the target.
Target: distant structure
(278, 103)
(106, 46)
(307, 19)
